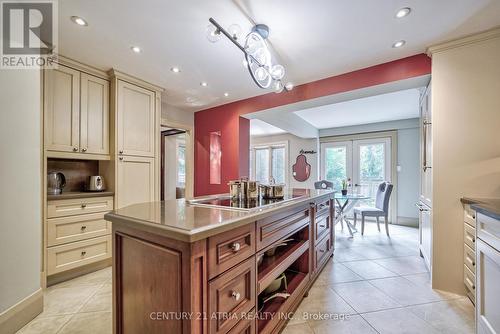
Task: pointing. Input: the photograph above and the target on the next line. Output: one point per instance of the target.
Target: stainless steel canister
(235, 189)
(252, 190)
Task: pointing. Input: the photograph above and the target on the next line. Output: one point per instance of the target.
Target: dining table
(344, 203)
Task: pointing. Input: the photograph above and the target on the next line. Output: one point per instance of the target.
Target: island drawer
(469, 279)
(72, 207)
(469, 215)
(228, 249)
(322, 251)
(244, 326)
(74, 228)
(470, 258)
(76, 254)
(323, 207)
(469, 236)
(322, 226)
(274, 228)
(231, 296)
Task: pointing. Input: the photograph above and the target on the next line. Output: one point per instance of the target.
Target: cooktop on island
(226, 202)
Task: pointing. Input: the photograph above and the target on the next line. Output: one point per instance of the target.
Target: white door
(136, 180)
(336, 162)
(371, 166)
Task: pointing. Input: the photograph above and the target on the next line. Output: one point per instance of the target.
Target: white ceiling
(314, 40)
(261, 128)
(380, 108)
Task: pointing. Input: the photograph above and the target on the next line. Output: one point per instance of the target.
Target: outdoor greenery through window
(336, 166)
(181, 165)
(268, 162)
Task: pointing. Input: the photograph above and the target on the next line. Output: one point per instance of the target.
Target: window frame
(270, 146)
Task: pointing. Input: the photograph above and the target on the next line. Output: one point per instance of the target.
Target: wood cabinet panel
(62, 109)
(322, 226)
(469, 236)
(231, 295)
(79, 206)
(136, 122)
(245, 326)
(94, 115)
(76, 254)
(470, 258)
(74, 228)
(228, 249)
(322, 252)
(136, 180)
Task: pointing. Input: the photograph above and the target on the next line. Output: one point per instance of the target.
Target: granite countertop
(183, 221)
(487, 206)
(79, 194)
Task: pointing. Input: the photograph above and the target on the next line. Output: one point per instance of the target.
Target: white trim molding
(18, 315)
(470, 39)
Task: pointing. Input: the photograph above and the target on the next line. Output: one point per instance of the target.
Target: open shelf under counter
(269, 316)
(272, 266)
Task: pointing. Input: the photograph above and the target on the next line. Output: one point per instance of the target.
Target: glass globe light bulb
(235, 31)
(261, 74)
(289, 86)
(277, 72)
(213, 34)
(278, 87)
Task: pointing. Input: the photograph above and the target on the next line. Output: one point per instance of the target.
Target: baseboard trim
(407, 221)
(77, 272)
(18, 315)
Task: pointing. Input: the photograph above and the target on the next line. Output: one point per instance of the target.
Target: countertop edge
(487, 206)
(205, 232)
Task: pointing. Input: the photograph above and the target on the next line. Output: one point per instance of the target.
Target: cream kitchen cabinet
(426, 148)
(76, 112)
(136, 120)
(136, 180)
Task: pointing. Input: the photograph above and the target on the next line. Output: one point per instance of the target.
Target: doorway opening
(173, 164)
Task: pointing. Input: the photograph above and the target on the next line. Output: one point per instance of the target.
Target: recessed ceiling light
(136, 49)
(175, 69)
(78, 20)
(403, 12)
(399, 44)
(203, 84)
(226, 94)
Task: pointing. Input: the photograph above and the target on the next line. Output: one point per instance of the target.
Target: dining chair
(381, 208)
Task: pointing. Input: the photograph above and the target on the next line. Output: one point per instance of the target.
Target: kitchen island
(192, 267)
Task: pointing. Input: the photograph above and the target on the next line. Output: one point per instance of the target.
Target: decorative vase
(344, 192)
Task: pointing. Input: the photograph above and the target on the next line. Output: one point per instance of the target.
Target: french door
(364, 162)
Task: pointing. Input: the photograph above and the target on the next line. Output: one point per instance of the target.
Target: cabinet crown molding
(113, 73)
(463, 41)
(66, 61)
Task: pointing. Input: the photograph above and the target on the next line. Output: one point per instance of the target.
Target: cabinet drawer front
(488, 229)
(469, 215)
(323, 207)
(470, 258)
(469, 236)
(76, 254)
(322, 251)
(278, 226)
(230, 295)
(469, 279)
(322, 227)
(228, 249)
(71, 207)
(75, 228)
(244, 326)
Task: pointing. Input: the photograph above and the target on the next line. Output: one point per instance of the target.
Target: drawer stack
(77, 233)
(322, 230)
(470, 251)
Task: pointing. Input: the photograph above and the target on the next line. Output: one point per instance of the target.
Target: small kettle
(55, 183)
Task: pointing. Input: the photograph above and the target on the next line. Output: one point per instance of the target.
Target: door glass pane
(181, 166)
(336, 165)
(278, 164)
(262, 165)
(371, 170)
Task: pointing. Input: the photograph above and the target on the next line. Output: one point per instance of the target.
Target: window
(181, 165)
(269, 161)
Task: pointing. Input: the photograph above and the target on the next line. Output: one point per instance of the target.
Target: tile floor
(373, 285)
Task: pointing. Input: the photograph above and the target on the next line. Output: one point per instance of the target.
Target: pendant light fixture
(258, 60)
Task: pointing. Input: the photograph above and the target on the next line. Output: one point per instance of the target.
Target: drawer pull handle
(75, 149)
(121, 158)
(84, 253)
(120, 152)
(235, 246)
(84, 227)
(84, 205)
(84, 149)
(236, 295)
(322, 226)
(321, 250)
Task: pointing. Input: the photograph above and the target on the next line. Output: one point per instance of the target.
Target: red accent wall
(235, 130)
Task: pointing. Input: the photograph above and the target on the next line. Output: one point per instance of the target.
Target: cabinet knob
(120, 158)
(236, 295)
(75, 149)
(473, 240)
(84, 149)
(84, 205)
(84, 227)
(120, 151)
(473, 264)
(84, 253)
(235, 246)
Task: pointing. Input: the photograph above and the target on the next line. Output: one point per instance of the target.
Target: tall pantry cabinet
(137, 107)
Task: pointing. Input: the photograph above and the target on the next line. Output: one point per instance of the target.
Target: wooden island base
(215, 285)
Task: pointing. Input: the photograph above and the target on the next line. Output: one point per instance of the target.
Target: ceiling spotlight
(399, 44)
(136, 49)
(226, 94)
(175, 69)
(403, 12)
(78, 20)
(203, 84)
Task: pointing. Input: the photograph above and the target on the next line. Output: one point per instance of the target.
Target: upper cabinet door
(136, 180)
(94, 115)
(62, 109)
(136, 120)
